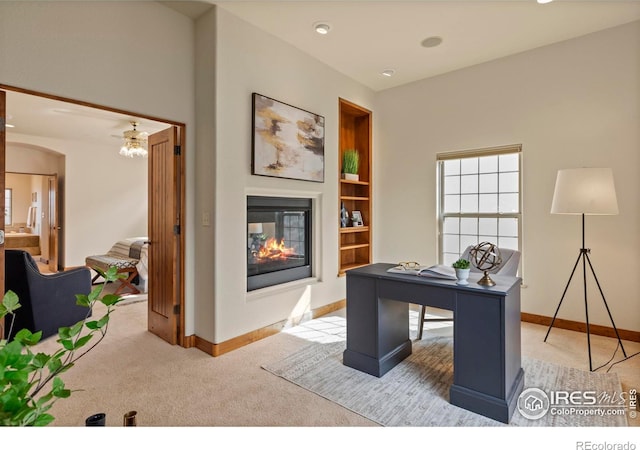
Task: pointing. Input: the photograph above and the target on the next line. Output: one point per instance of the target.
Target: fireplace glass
(278, 240)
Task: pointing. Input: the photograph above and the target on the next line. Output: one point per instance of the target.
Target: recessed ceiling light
(322, 27)
(9, 125)
(432, 41)
(542, 2)
(388, 72)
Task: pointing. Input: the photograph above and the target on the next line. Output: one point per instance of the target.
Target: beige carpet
(416, 391)
(171, 386)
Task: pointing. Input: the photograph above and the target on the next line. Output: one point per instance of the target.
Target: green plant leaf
(82, 300)
(54, 364)
(82, 341)
(93, 325)
(94, 294)
(26, 337)
(103, 321)
(57, 383)
(43, 420)
(40, 360)
(76, 328)
(64, 368)
(64, 332)
(67, 343)
(10, 302)
(110, 299)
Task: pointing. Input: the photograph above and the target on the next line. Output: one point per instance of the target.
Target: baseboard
(256, 335)
(572, 325)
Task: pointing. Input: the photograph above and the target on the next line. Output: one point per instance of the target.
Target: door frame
(181, 338)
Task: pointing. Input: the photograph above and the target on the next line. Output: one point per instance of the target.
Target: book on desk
(436, 271)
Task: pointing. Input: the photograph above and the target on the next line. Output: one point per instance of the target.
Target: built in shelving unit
(355, 133)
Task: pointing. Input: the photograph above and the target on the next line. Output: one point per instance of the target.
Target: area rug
(416, 391)
(132, 298)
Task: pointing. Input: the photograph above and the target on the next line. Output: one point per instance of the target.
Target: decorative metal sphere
(485, 256)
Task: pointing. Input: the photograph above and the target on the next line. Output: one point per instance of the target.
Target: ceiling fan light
(134, 143)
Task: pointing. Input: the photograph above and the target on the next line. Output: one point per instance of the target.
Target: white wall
(205, 169)
(105, 195)
(571, 104)
(249, 60)
(133, 56)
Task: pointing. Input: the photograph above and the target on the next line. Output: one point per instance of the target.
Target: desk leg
(488, 375)
(377, 328)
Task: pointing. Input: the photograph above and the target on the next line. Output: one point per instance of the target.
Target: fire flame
(273, 249)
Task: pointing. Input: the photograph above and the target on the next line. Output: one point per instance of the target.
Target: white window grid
(482, 185)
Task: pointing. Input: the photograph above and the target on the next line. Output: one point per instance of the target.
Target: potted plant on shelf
(462, 271)
(350, 163)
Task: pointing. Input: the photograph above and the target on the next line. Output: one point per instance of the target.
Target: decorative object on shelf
(356, 219)
(485, 256)
(350, 164)
(462, 271)
(288, 142)
(135, 142)
(344, 216)
(585, 191)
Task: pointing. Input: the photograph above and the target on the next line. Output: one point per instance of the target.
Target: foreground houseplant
(29, 382)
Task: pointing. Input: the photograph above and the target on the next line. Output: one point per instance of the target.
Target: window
(7, 207)
(480, 200)
(294, 231)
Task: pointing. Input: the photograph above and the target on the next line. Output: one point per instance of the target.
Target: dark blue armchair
(48, 302)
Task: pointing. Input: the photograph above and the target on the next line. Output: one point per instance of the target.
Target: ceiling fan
(135, 142)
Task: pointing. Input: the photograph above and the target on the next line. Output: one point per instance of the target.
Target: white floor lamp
(586, 191)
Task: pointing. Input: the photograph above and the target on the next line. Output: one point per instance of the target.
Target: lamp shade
(255, 228)
(585, 191)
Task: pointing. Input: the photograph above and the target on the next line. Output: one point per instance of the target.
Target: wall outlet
(206, 219)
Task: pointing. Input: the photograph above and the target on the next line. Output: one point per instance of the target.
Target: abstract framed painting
(288, 142)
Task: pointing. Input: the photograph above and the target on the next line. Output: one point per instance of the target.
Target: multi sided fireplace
(278, 240)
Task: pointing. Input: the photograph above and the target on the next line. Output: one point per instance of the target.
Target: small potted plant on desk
(350, 163)
(462, 271)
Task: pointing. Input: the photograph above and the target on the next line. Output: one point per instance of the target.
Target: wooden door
(3, 118)
(53, 222)
(164, 299)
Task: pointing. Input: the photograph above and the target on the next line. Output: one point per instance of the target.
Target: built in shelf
(354, 229)
(362, 183)
(346, 267)
(353, 246)
(358, 199)
(354, 243)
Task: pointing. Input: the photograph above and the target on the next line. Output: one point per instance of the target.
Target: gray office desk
(487, 376)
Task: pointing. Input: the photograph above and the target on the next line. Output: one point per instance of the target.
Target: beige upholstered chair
(509, 266)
